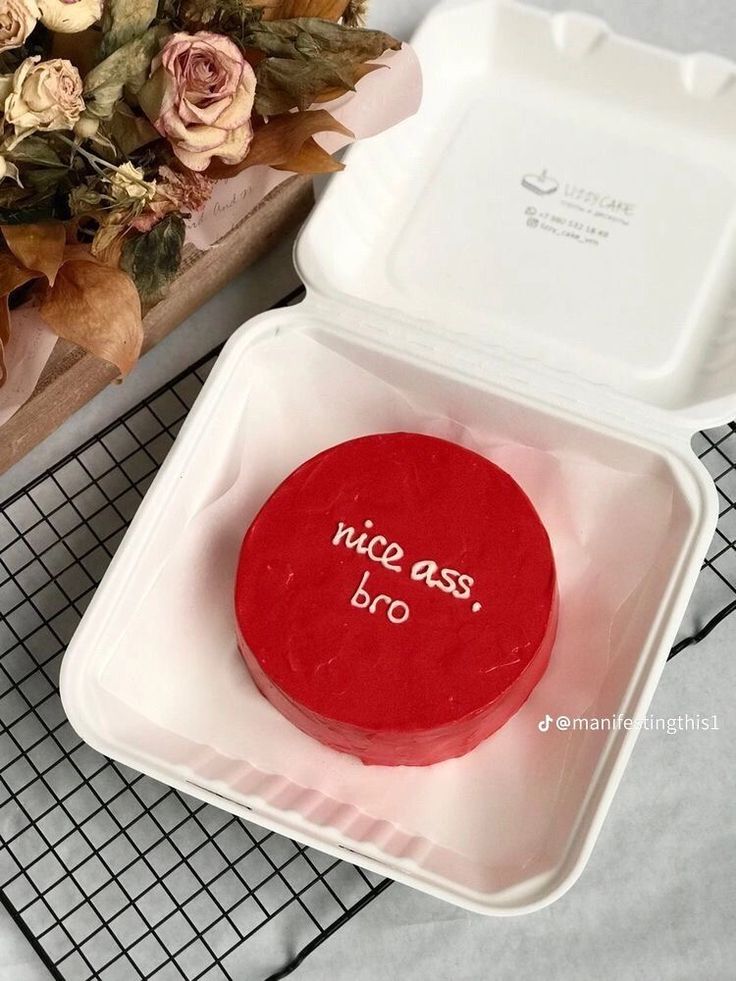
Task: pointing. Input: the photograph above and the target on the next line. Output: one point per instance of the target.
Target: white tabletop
(657, 898)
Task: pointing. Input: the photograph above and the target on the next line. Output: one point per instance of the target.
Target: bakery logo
(579, 197)
(390, 555)
(541, 184)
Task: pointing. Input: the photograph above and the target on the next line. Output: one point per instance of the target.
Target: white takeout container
(547, 247)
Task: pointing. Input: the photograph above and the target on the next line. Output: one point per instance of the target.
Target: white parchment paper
(177, 663)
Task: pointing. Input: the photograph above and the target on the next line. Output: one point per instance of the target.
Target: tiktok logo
(545, 723)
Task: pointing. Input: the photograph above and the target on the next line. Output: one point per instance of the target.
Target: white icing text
(388, 554)
(376, 547)
(397, 611)
(446, 580)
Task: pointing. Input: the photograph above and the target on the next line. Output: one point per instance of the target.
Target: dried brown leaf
(107, 245)
(311, 158)
(4, 324)
(281, 9)
(12, 276)
(307, 56)
(76, 252)
(98, 308)
(39, 248)
(362, 70)
(280, 141)
(4, 338)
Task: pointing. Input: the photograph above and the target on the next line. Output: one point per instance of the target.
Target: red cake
(396, 598)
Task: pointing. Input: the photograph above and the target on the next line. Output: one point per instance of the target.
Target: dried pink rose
(200, 97)
(17, 20)
(187, 191)
(41, 95)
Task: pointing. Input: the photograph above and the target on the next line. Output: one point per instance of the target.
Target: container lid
(564, 193)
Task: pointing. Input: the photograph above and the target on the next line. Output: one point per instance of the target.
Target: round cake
(396, 598)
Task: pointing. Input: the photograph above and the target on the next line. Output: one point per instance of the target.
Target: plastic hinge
(515, 373)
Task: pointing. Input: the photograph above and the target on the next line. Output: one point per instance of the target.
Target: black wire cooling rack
(109, 874)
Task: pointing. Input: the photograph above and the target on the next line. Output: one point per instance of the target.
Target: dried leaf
(152, 259)
(279, 141)
(129, 131)
(304, 36)
(4, 327)
(98, 308)
(193, 13)
(19, 206)
(36, 149)
(307, 56)
(44, 177)
(283, 9)
(285, 83)
(4, 334)
(44, 183)
(230, 17)
(126, 67)
(329, 94)
(124, 20)
(4, 338)
(311, 159)
(76, 252)
(107, 244)
(12, 276)
(355, 13)
(39, 248)
(12, 173)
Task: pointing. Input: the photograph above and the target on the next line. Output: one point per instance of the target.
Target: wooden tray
(71, 377)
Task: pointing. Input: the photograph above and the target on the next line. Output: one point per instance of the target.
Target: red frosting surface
(396, 598)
